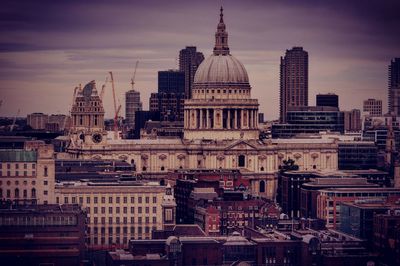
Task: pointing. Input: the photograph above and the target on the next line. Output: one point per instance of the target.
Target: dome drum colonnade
(221, 97)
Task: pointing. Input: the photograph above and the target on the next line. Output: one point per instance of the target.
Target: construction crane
(15, 120)
(103, 89)
(116, 108)
(134, 75)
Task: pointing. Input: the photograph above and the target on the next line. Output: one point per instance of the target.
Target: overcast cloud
(48, 47)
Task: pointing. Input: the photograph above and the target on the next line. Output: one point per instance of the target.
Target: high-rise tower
(132, 105)
(394, 86)
(189, 61)
(293, 80)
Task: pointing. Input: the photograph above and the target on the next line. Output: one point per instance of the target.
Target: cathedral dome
(221, 69)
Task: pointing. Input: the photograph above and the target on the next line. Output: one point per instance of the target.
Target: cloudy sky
(49, 47)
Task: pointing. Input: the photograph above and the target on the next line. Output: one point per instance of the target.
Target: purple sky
(49, 47)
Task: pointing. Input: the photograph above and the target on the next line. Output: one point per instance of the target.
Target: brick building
(42, 234)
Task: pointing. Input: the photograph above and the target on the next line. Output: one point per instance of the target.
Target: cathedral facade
(220, 131)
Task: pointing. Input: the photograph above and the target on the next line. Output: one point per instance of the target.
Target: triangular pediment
(241, 145)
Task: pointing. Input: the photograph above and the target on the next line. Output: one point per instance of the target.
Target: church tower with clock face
(87, 115)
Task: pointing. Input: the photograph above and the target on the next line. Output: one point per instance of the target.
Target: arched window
(162, 168)
(45, 171)
(33, 193)
(25, 193)
(17, 193)
(262, 168)
(262, 186)
(144, 169)
(242, 160)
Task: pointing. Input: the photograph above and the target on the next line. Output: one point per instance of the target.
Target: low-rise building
(27, 175)
(42, 234)
(329, 200)
(121, 210)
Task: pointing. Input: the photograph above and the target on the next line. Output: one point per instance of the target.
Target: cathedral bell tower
(87, 115)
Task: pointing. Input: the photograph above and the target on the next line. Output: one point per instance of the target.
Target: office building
(332, 197)
(293, 80)
(27, 175)
(386, 237)
(189, 61)
(357, 218)
(132, 105)
(394, 87)
(42, 234)
(352, 120)
(329, 99)
(120, 210)
(357, 155)
(171, 81)
(37, 120)
(309, 120)
(170, 106)
(373, 107)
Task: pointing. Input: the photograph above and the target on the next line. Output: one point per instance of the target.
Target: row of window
(17, 165)
(118, 230)
(124, 220)
(17, 173)
(25, 182)
(109, 200)
(223, 91)
(38, 220)
(18, 195)
(118, 210)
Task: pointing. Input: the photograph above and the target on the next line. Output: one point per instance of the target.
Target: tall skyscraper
(132, 105)
(373, 107)
(169, 99)
(293, 80)
(394, 86)
(189, 61)
(329, 99)
(171, 81)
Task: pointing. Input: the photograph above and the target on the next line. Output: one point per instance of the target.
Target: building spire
(221, 37)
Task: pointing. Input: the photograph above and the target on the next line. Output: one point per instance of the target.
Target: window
(110, 210)
(25, 193)
(154, 209)
(132, 199)
(117, 200)
(88, 200)
(33, 193)
(125, 200)
(139, 209)
(140, 199)
(110, 200)
(168, 215)
(95, 200)
(242, 160)
(154, 220)
(117, 210)
(46, 193)
(262, 186)
(45, 171)
(132, 209)
(17, 193)
(103, 200)
(147, 200)
(154, 199)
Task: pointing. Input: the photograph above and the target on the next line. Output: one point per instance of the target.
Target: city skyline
(50, 52)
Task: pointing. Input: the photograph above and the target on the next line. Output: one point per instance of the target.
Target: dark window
(262, 186)
(242, 160)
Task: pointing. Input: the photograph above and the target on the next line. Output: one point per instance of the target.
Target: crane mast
(116, 109)
(134, 75)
